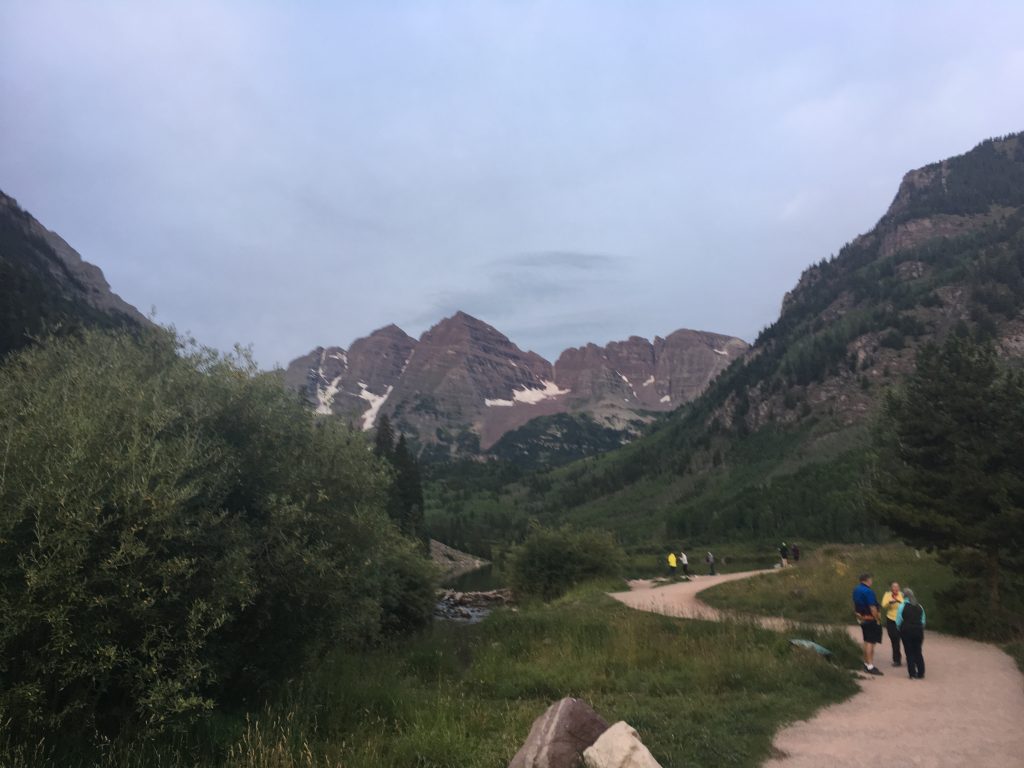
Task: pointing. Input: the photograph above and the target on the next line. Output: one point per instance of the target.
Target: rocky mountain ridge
(46, 286)
(463, 384)
(948, 251)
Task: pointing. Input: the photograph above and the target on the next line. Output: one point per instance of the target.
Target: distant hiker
(710, 560)
(685, 562)
(891, 602)
(910, 620)
(796, 553)
(784, 554)
(672, 565)
(865, 607)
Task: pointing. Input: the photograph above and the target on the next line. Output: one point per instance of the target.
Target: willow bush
(552, 560)
(175, 532)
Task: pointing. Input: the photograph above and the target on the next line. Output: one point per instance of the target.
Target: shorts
(872, 631)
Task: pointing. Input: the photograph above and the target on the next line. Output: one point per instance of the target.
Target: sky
(289, 175)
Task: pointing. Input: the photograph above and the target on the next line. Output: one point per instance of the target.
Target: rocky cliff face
(627, 377)
(353, 384)
(948, 251)
(464, 384)
(46, 286)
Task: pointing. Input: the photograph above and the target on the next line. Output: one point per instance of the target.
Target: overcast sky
(295, 174)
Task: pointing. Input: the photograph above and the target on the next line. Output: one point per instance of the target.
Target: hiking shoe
(897, 664)
(874, 671)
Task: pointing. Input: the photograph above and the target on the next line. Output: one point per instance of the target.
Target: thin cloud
(560, 259)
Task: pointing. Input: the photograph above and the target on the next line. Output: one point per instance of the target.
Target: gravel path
(968, 711)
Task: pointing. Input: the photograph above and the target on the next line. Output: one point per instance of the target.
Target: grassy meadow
(819, 588)
(699, 693)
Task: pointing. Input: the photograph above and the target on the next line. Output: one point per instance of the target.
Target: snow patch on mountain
(498, 403)
(375, 401)
(720, 352)
(666, 399)
(529, 396)
(534, 396)
(650, 380)
(631, 387)
(325, 396)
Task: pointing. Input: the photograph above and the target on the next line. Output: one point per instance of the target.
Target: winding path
(968, 711)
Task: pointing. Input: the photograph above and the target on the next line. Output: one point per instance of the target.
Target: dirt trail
(968, 711)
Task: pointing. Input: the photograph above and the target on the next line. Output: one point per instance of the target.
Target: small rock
(558, 737)
(619, 747)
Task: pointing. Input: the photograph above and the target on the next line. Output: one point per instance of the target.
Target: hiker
(865, 607)
(685, 562)
(710, 560)
(891, 602)
(784, 555)
(796, 553)
(672, 565)
(910, 620)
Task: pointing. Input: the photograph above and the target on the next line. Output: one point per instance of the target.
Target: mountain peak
(390, 331)
(463, 318)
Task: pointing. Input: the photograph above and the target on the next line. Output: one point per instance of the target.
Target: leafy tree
(174, 531)
(949, 468)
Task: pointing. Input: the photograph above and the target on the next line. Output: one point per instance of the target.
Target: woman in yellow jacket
(891, 602)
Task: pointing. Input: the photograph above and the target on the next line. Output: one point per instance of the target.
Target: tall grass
(699, 693)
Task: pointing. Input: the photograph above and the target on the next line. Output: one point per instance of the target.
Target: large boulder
(619, 747)
(559, 736)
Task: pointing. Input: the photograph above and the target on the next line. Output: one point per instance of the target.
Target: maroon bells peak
(464, 383)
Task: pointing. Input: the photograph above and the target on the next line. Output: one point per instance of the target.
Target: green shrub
(174, 525)
(551, 560)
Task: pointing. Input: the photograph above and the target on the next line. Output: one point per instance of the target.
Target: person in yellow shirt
(891, 602)
(671, 565)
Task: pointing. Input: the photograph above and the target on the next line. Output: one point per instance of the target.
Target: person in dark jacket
(910, 620)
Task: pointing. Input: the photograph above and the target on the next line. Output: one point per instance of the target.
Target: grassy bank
(730, 557)
(1016, 650)
(699, 693)
(819, 588)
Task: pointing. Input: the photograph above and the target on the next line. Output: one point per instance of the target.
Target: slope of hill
(45, 286)
(777, 445)
(464, 385)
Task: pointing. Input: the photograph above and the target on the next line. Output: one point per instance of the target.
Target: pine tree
(408, 491)
(384, 442)
(949, 469)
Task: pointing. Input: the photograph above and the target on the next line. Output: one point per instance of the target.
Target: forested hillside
(779, 443)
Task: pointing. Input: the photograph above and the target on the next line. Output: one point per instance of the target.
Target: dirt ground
(968, 711)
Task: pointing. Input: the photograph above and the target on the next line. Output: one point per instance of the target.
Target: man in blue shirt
(865, 607)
